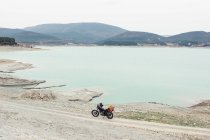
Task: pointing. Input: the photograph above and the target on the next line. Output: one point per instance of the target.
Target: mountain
(190, 38)
(86, 33)
(134, 38)
(27, 36)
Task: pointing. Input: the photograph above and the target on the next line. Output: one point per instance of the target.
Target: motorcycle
(107, 112)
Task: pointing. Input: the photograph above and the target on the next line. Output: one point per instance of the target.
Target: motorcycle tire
(110, 115)
(95, 113)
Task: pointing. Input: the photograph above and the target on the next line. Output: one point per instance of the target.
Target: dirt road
(19, 121)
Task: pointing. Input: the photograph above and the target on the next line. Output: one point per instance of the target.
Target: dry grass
(160, 117)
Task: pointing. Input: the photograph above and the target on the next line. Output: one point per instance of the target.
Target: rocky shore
(8, 82)
(9, 66)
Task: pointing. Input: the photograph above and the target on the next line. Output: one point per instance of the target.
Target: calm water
(176, 76)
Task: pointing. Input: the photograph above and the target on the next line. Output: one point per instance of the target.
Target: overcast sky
(164, 17)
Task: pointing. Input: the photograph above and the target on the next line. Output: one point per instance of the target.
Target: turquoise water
(175, 76)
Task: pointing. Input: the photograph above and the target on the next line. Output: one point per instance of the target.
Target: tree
(7, 41)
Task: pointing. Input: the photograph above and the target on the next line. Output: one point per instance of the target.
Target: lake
(175, 76)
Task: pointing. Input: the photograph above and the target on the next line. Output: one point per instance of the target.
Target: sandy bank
(17, 48)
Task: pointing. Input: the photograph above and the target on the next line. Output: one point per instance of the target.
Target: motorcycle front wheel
(95, 113)
(109, 115)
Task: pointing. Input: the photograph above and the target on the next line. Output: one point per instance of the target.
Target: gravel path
(19, 121)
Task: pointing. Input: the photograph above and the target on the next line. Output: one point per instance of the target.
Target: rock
(205, 103)
(9, 66)
(45, 95)
(7, 80)
(83, 95)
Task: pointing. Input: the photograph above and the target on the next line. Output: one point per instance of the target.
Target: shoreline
(7, 81)
(107, 46)
(78, 102)
(82, 96)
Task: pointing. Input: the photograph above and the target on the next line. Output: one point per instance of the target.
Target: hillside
(27, 36)
(134, 38)
(101, 34)
(78, 32)
(190, 38)
(198, 38)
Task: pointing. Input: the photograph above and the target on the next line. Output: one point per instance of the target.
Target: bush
(7, 41)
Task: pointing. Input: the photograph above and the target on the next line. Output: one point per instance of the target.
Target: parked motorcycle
(107, 112)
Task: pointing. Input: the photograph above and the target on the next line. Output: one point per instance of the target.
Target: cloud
(158, 16)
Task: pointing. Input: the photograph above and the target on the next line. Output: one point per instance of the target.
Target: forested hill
(134, 38)
(190, 38)
(27, 36)
(197, 38)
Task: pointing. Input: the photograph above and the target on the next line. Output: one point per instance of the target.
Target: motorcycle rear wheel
(95, 113)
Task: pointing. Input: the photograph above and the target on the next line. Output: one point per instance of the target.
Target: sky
(164, 17)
